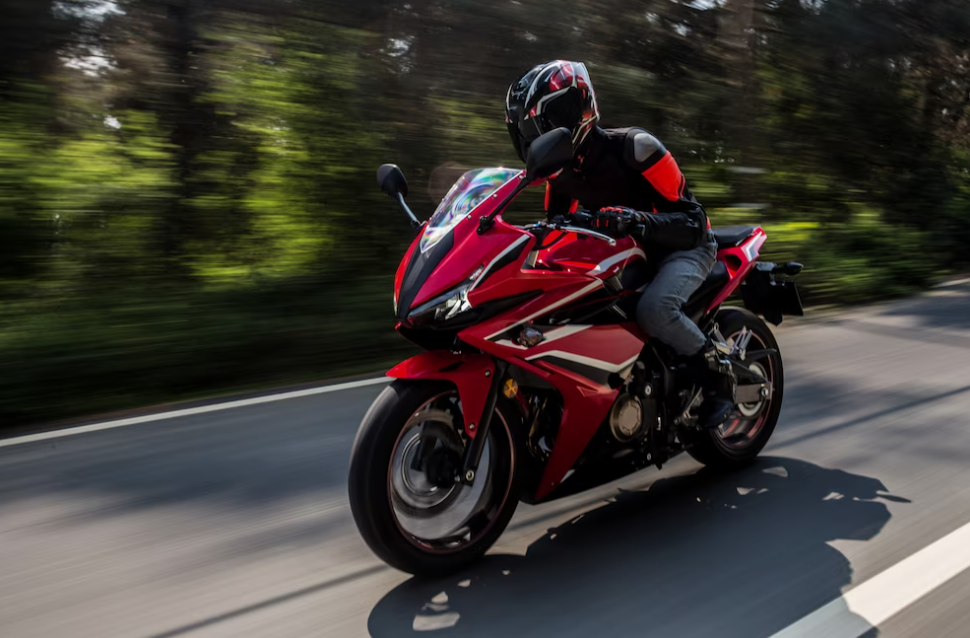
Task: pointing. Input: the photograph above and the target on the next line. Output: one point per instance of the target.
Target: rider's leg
(660, 314)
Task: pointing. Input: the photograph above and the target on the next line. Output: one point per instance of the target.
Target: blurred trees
(186, 186)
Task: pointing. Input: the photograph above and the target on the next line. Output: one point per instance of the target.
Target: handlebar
(575, 229)
(590, 233)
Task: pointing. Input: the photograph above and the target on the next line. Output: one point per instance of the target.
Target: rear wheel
(403, 494)
(749, 426)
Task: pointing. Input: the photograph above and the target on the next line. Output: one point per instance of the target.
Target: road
(235, 523)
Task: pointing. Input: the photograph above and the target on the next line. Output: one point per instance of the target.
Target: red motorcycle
(537, 382)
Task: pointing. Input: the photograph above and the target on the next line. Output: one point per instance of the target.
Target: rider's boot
(712, 370)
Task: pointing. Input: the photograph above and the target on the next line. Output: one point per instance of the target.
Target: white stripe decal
(586, 361)
(751, 249)
(565, 331)
(505, 252)
(606, 264)
(561, 302)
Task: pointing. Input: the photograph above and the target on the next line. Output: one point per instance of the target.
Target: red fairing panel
(586, 402)
(593, 257)
(472, 377)
(739, 262)
(585, 405)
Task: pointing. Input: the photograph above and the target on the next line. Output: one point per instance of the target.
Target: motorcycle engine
(626, 418)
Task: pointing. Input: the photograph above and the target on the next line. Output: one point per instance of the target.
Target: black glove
(665, 231)
(617, 221)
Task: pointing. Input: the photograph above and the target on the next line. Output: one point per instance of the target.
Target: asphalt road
(235, 523)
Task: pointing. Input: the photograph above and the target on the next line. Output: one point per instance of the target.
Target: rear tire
(709, 446)
(372, 497)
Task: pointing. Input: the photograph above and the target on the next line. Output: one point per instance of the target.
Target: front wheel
(404, 497)
(749, 426)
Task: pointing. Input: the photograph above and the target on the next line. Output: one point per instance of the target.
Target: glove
(616, 221)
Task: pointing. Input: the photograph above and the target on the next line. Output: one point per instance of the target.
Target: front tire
(746, 432)
(404, 516)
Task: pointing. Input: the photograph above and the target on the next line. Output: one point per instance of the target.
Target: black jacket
(629, 167)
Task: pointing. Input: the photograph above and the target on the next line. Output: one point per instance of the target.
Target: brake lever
(590, 233)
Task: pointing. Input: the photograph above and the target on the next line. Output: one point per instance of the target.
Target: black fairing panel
(420, 266)
(635, 275)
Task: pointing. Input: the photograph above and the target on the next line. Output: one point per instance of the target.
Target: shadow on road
(744, 554)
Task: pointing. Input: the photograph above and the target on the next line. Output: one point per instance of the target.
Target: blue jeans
(659, 311)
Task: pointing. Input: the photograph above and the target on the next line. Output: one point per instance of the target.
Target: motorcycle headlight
(443, 307)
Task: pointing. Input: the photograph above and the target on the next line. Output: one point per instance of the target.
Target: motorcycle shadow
(706, 554)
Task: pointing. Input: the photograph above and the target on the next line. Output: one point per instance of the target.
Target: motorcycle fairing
(455, 257)
(575, 358)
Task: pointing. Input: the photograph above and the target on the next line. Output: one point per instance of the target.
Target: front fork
(466, 372)
(476, 446)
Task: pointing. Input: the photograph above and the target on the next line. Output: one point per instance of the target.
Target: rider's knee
(656, 310)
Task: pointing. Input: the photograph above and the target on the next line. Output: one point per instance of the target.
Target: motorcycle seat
(732, 236)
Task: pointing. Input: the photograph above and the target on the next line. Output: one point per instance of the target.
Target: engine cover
(626, 418)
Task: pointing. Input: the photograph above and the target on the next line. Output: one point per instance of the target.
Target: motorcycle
(536, 382)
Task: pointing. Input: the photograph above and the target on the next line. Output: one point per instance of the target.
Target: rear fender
(739, 261)
(470, 373)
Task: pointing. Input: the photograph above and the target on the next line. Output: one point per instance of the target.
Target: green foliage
(187, 198)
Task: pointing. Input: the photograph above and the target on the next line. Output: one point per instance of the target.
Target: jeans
(659, 311)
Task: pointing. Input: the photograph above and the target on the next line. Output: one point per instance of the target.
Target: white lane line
(876, 600)
(203, 409)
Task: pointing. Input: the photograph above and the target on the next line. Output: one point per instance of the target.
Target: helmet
(550, 96)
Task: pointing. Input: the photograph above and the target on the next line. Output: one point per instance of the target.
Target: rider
(634, 187)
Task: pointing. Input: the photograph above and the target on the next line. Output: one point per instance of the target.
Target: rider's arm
(680, 222)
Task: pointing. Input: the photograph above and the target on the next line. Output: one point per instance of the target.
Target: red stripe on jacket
(665, 176)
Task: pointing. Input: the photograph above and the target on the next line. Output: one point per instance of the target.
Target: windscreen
(468, 192)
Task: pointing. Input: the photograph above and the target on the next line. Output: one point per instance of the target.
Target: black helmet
(550, 96)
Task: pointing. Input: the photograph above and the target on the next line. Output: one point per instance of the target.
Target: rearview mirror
(391, 180)
(549, 153)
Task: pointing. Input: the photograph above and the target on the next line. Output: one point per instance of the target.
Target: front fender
(470, 373)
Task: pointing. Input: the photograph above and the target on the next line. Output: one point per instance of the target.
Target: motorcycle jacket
(629, 167)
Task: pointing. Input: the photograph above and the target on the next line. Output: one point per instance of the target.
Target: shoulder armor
(643, 148)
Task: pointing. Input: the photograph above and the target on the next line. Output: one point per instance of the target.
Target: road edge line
(883, 596)
(202, 409)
